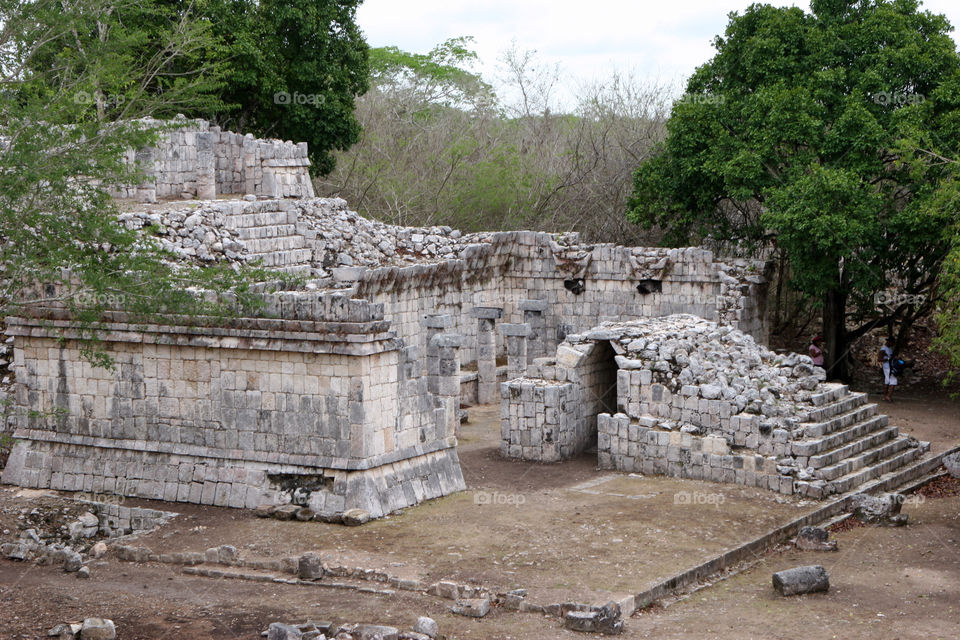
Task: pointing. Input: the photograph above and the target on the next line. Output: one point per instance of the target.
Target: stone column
(448, 346)
(516, 338)
(206, 168)
(146, 163)
(533, 315)
(487, 390)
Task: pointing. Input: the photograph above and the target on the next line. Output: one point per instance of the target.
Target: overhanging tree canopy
(795, 133)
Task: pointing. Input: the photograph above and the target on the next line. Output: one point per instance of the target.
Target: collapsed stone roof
(686, 351)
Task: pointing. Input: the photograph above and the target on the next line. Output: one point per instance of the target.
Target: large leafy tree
(292, 69)
(75, 83)
(796, 134)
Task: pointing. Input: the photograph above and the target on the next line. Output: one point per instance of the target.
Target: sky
(658, 40)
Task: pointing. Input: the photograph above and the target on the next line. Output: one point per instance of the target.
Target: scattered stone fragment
(264, 510)
(304, 514)
(472, 607)
(72, 561)
(952, 464)
(882, 510)
(815, 539)
(285, 512)
(98, 629)
(83, 573)
(227, 554)
(605, 620)
(355, 517)
(15, 551)
(280, 631)
(98, 550)
(800, 580)
(65, 631)
(310, 566)
(426, 626)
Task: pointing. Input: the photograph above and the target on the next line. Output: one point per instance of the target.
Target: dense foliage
(797, 134)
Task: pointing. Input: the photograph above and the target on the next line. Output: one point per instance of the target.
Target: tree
(64, 134)
(793, 136)
(292, 70)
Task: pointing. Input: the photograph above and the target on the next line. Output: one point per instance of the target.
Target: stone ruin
(345, 392)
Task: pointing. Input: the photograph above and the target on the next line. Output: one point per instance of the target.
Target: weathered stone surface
(310, 566)
(605, 620)
(800, 580)
(472, 607)
(264, 510)
(815, 539)
(356, 517)
(952, 464)
(426, 626)
(72, 561)
(883, 509)
(286, 512)
(98, 550)
(15, 550)
(98, 629)
(280, 631)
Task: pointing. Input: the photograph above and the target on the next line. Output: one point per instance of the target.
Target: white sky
(658, 40)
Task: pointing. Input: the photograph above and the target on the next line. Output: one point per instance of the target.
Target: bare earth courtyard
(563, 532)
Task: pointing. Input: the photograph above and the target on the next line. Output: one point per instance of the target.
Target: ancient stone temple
(345, 392)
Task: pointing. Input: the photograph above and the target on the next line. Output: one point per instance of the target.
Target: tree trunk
(835, 335)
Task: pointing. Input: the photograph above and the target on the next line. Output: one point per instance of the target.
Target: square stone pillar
(146, 163)
(516, 339)
(447, 348)
(487, 391)
(206, 168)
(533, 315)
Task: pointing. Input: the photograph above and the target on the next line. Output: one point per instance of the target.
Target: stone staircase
(273, 238)
(845, 442)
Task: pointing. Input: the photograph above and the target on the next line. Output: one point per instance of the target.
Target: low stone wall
(541, 421)
(637, 446)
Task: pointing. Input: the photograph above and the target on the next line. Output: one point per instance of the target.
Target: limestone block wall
(334, 414)
(540, 420)
(197, 160)
(634, 445)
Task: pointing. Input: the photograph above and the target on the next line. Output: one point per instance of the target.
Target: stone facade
(345, 392)
(197, 160)
(696, 399)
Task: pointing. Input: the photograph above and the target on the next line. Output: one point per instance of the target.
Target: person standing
(816, 351)
(886, 363)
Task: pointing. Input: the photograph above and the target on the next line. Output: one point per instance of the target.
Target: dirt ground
(562, 531)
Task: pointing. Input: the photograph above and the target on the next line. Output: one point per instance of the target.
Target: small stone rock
(227, 554)
(310, 566)
(426, 626)
(280, 631)
(285, 512)
(83, 573)
(800, 580)
(98, 550)
(605, 620)
(472, 607)
(15, 551)
(264, 510)
(356, 517)
(815, 539)
(98, 629)
(72, 561)
(304, 514)
(883, 509)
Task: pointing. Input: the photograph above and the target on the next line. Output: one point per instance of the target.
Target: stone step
(270, 245)
(275, 231)
(832, 393)
(873, 439)
(842, 421)
(853, 472)
(852, 430)
(282, 258)
(263, 219)
(843, 405)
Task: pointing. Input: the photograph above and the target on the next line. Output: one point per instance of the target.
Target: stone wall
(195, 160)
(264, 411)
